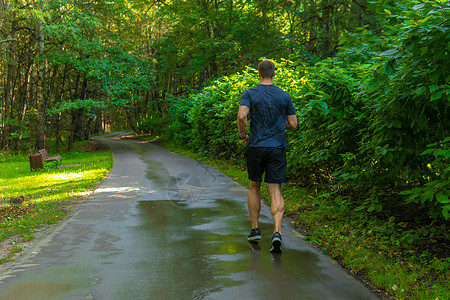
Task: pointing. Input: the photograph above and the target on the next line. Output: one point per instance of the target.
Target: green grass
(49, 192)
(372, 248)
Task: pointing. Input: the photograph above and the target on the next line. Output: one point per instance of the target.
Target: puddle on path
(203, 254)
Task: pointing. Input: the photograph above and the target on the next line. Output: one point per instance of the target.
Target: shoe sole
(254, 238)
(276, 245)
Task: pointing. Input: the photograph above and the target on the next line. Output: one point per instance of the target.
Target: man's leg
(254, 203)
(277, 206)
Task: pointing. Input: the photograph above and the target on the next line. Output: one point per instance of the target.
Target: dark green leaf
(421, 90)
(442, 198)
(428, 151)
(389, 52)
(406, 192)
(359, 208)
(388, 68)
(436, 96)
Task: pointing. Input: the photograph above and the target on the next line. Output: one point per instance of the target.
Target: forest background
(369, 80)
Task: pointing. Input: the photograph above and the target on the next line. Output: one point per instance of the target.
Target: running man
(271, 114)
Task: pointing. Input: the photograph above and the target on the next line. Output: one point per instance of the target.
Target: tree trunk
(81, 134)
(98, 121)
(9, 86)
(58, 132)
(78, 133)
(73, 113)
(230, 21)
(312, 27)
(129, 121)
(72, 130)
(41, 90)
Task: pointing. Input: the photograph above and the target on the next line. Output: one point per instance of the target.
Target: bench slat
(44, 154)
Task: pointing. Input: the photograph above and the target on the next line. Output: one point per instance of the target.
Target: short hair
(266, 69)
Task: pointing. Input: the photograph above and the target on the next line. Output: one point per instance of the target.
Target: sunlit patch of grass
(66, 176)
(46, 189)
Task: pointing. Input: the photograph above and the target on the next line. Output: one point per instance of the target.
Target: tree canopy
(66, 65)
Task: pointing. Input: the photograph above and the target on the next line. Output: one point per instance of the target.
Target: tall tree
(41, 80)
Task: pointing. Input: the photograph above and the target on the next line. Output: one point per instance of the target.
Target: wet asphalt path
(162, 226)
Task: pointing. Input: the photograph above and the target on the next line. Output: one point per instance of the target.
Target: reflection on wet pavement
(204, 250)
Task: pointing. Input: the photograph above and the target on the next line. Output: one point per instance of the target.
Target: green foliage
(406, 109)
(203, 40)
(17, 129)
(89, 106)
(207, 120)
(362, 125)
(436, 192)
(119, 76)
(328, 110)
(179, 129)
(154, 125)
(122, 76)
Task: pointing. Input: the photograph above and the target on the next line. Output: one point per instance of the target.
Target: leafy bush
(328, 110)
(154, 125)
(364, 126)
(435, 192)
(406, 110)
(207, 119)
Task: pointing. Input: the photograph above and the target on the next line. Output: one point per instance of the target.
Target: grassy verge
(368, 246)
(49, 193)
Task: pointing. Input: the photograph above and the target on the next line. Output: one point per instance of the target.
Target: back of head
(266, 69)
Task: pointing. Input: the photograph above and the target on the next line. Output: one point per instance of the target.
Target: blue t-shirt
(269, 107)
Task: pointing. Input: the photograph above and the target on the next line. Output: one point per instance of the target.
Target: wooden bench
(45, 157)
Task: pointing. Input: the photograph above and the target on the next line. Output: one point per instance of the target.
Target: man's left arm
(291, 122)
(242, 123)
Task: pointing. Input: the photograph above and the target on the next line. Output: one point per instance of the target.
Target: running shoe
(276, 243)
(255, 235)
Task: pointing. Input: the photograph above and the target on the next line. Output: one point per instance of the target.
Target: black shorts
(271, 161)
